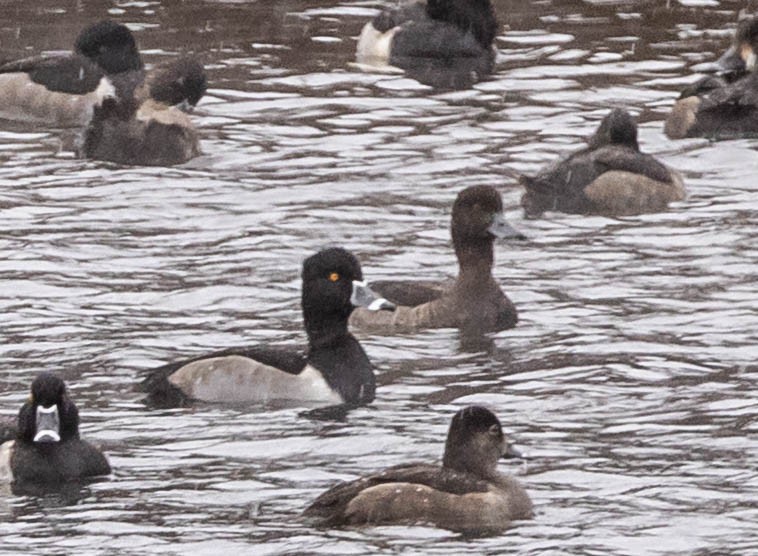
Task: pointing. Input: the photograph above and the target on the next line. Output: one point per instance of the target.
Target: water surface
(630, 379)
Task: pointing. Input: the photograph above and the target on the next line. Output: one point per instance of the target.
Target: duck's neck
(475, 260)
(460, 459)
(340, 359)
(326, 330)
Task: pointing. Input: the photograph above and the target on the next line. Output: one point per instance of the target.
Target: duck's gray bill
(48, 424)
(363, 296)
(502, 230)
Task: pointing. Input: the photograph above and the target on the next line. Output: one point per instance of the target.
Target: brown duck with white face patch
(466, 493)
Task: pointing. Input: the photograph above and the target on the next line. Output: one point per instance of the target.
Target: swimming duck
(444, 43)
(466, 493)
(610, 176)
(62, 91)
(151, 128)
(727, 106)
(474, 302)
(47, 448)
(334, 370)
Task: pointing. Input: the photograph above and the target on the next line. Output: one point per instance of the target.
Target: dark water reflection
(630, 379)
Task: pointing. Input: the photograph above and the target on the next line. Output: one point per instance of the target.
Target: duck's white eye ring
(494, 430)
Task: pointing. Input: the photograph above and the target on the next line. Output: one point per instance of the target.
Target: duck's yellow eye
(333, 277)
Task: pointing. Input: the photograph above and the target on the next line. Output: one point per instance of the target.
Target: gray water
(630, 379)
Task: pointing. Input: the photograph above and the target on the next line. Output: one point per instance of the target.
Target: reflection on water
(630, 379)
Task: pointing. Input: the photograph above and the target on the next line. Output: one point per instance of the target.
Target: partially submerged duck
(611, 176)
(474, 302)
(466, 493)
(444, 43)
(725, 106)
(335, 369)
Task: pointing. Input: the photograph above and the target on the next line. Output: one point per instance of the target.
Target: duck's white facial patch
(236, 379)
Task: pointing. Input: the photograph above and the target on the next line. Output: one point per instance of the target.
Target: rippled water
(630, 380)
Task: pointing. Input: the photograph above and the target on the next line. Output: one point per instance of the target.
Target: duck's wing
(91, 462)
(409, 293)
(743, 93)
(703, 86)
(430, 38)
(8, 429)
(332, 505)
(163, 392)
(560, 185)
(68, 73)
(616, 158)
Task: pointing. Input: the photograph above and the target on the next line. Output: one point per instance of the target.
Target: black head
(617, 128)
(475, 442)
(48, 389)
(743, 55)
(110, 45)
(328, 278)
(332, 287)
(475, 16)
(49, 415)
(179, 82)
